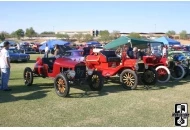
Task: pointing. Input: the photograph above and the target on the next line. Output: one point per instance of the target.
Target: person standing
(46, 50)
(18, 46)
(5, 67)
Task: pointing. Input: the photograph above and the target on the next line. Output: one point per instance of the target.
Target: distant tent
(167, 41)
(141, 43)
(52, 43)
(92, 43)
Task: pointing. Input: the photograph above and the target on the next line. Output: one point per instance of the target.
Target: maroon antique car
(63, 71)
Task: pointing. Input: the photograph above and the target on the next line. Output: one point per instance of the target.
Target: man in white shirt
(18, 46)
(46, 50)
(5, 67)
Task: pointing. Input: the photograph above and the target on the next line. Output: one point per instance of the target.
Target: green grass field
(38, 105)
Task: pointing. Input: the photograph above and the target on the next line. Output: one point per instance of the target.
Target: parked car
(16, 55)
(29, 50)
(63, 71)
(75, 55)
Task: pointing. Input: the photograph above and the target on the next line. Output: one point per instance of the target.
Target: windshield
(74, 53)
(67, 54)
(156, 48)
(13, 51)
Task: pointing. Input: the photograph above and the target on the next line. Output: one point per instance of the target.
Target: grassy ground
(38, 105)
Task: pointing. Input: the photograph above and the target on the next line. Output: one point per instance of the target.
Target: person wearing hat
(5, 67)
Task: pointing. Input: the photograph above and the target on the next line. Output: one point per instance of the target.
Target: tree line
(104, 35)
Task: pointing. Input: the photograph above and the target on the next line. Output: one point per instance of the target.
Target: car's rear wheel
(28, 76)
(61, 85)
(149, 77)
(129, 79)
(186, 69)
(163, 74)
(96, 81)
(177, 72)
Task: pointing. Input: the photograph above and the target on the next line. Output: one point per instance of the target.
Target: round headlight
(136, 66)
(146, 66)
(72, 73)
(90, 72)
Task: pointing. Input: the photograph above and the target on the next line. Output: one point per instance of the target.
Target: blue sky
(122, 16)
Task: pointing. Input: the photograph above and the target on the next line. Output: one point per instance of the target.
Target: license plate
(19, 60)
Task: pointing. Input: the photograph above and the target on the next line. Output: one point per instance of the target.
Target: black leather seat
(49, 61)
(111, 56)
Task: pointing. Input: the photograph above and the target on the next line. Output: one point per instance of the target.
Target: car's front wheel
(61, 85)
(28, 76)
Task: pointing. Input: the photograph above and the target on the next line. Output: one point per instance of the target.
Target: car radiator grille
(80, 71)
(141, 67)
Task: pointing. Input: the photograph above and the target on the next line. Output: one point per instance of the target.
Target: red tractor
(63, 71)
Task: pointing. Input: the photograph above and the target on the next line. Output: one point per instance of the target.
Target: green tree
(45, 32)
(105, 36)
(30, 32)
(87, 37)
(2, 37)
(19, 33)
(134, 35)
(63, 36)
(170, 33)
(115, 34)
(183, 34)
(13, 34)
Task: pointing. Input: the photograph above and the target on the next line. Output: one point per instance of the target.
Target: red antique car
(63, 71)
(109, 64)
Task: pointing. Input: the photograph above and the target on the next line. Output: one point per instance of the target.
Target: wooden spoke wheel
(28, 76)
(149, 77)
(129, 79)
(61, 85)
(96, 81)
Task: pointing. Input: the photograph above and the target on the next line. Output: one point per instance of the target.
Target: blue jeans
(5, 74)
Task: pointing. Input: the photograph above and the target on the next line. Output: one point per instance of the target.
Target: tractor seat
(49, 61)
(111, 56)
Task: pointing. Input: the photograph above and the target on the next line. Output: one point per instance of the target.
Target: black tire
(186, 72)
(129, 79)
(150, 76)
(96, 81)
(61, 85)
(28, 76)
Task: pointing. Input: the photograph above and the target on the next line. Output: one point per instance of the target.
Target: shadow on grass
(36, 92)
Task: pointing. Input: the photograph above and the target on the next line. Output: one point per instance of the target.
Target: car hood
(66, 62)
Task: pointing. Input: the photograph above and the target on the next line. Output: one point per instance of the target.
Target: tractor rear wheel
(129, 79)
